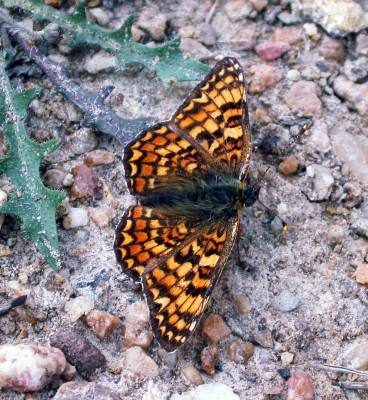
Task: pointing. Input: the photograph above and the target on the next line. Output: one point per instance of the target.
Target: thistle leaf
(31, 201)
(166, 61)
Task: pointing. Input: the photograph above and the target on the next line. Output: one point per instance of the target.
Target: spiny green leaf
(166, 61)
(31, 201)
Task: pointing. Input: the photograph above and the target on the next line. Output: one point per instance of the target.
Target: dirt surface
(301, 284)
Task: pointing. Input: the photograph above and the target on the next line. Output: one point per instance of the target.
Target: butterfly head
(251, 194)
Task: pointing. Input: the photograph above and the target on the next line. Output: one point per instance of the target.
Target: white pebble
(29, 367)
(137, 362)
(77, 217)
(212, 391)
(79, 306)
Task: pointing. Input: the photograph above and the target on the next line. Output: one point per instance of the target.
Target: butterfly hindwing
(144, 235)
(179, 287)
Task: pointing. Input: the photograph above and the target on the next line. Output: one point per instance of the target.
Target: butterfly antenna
(296, 139)
(285, 226)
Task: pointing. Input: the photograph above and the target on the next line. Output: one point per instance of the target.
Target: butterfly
(189, 175)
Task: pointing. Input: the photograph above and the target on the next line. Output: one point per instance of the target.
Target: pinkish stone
(29, 367)
(264, 76)
(86, 183)
(303, 98)
(269, 51)
(102, 323)
(209, 357)
(214, 328)
(290, 34)
(354, 93)
(332, 49)
(299, 387)
(361, 274)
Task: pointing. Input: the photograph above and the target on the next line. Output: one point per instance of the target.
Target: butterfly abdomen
(206, 198)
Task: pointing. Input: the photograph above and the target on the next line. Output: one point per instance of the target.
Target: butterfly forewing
(159, 157)
(178, 289)
(215, 115)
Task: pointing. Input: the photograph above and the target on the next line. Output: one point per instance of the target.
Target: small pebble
(54, 178)
(240, 352)
(299, 387)
(139, 363)
(99, 157)
(288, 18)
(352, 196)
(152, 21)
(3, 197)
(5, 251)
(207, 35)
(318, 182)
(237, 10)
(209, 391)
(360, 227)
(86, 183)
(362, 44)
(264, 338)
(78, 390)
(63, 208)
(356, 70)
(287, 358)
(332, 49)
(192, 375)
(289, 165)
(243, 304)
(361, 274)
(100, 15)
(188, 31)
(356, 94)
(311, 30)
(259, 5)
(76, 218)
(264, 77)
(79, 306)
(136, 331)
(353, 151)
(192, 48)
(291, 34)
(29, 367)
(284, 373)
(336, 234)
(303, 98)
(82, 141)
(18, 289)
(101, 216)
(270, 51)
(102, 323)
(209, 357)
(99, 62)
(53, 3)
(69, 372)
(286, 301)
(214, 328)
(356, 355)
(78, 350)
(244, 38)
(319, 138)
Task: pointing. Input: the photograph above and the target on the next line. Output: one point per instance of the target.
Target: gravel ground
(297, 299)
